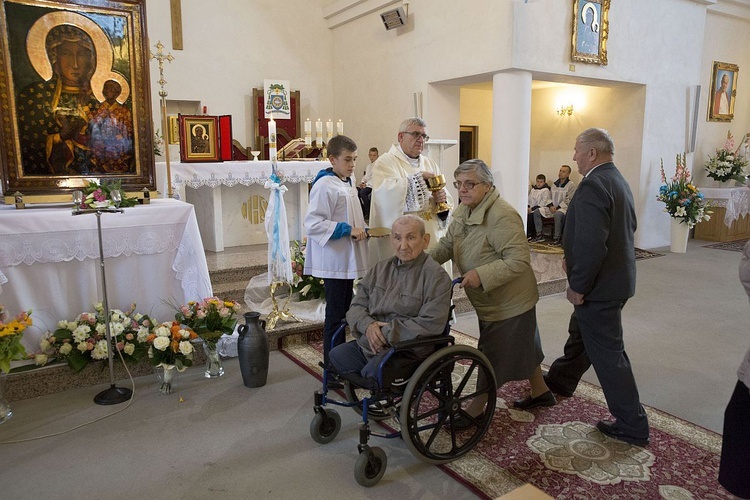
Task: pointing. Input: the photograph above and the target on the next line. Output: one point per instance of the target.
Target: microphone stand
(113, 395)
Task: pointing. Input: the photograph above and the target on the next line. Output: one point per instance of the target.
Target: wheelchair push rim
(435, 400)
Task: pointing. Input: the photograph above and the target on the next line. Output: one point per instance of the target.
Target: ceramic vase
(679, 233)
(214, 369)
(252, 350)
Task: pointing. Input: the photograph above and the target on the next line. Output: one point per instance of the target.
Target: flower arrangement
(726, 164)
(682, 199)
(210, 318)
(158, 142)
(10, 337)
(84, 339)
(169, 344)
(309, 287)
(99, 195)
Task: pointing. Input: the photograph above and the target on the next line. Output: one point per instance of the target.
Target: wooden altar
(731, 214)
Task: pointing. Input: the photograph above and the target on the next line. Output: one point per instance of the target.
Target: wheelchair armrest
(422, 341)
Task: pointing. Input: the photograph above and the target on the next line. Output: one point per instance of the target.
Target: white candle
(272, 139)
(340, 127)
(319, 133)
(308, 133)
(329, 130)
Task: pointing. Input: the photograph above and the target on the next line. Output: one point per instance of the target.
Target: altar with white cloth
(230, 198)
(49, 262)
(731, 214)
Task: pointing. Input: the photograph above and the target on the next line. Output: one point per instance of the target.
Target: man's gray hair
(411, 219)
(411, 121)
(478, 166)
(599, 139)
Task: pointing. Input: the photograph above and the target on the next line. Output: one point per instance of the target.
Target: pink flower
(99, 196)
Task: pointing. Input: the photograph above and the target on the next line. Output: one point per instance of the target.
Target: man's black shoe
(610, 429)
(555, 388)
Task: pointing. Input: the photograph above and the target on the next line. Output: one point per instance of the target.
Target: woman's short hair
(478, 166)
(340, 143)
(599, 139)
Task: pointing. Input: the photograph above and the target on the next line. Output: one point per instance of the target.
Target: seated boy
(400, 298)
(539, 199)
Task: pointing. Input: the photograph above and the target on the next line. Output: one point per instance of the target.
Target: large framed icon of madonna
(74, 95)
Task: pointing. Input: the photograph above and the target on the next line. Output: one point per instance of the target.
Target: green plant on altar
(84, 339)
(210, 318)
(308, 287)
(726, 164)
(10, 337)
(682, 199)
(169, 344)
(99, 195)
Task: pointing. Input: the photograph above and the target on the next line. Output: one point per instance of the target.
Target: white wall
(231, 46)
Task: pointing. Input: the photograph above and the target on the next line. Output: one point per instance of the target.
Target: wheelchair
(426, 397)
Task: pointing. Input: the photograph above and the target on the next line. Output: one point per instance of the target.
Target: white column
(511, 136)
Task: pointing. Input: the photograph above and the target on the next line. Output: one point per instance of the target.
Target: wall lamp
(565, 110)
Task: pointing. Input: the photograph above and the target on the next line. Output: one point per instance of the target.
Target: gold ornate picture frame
(75, 102)
(590, 31)
(174, 129)
(723, 92)
(199, 138)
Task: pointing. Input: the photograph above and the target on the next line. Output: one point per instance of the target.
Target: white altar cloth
(49, 262)
(736, 201)
(222, 205)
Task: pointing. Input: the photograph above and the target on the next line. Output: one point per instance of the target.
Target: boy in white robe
(539, 202)
(336, 235)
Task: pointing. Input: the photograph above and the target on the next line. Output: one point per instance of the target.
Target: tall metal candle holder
(113, 395)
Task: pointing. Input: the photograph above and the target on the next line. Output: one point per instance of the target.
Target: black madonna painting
(78, 95)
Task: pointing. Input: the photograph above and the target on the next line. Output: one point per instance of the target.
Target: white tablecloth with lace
(233, 173)
(736, 201)
(49, 261)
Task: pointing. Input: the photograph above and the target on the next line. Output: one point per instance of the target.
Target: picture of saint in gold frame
(723, 92)
(590, 31)
(78, 103)
(199, 138)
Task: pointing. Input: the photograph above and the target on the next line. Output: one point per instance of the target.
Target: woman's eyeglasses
(469, 185)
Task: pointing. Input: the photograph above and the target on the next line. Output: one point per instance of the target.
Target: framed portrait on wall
(723, 92)
(76, 102)
(199, 138)
(590, 31)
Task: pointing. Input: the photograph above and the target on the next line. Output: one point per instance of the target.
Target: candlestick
(319, 133)
(329, 130)
(308, 133)
(340, 127)
(272, 139)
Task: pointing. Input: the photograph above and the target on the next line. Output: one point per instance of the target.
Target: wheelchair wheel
(355, 394)
(370, 466)
(434, 424)
(325, 426)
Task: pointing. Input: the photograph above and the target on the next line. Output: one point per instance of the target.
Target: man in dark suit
(600, 263)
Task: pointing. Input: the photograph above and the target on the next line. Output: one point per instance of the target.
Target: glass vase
(5, 410)
(213, 361)
(166, 375)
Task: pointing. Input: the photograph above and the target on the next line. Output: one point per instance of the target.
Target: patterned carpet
(559, 450)
(732, 246)
(545, 247)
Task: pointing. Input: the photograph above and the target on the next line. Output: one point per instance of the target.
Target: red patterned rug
(559, 450)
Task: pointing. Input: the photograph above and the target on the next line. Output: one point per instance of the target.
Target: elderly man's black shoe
(527, 403)
(610, 429)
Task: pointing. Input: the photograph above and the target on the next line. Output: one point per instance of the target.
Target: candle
(340, 127)
(329, 130)
(319, 133)
(272, 139)
(308, 133)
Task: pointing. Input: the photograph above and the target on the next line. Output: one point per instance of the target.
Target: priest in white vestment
(399, 187)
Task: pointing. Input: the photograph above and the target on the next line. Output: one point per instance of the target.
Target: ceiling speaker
(393, 18)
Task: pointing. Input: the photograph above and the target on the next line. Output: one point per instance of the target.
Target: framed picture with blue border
(590, 31)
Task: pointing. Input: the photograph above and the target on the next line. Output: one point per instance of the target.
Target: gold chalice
(434, 184)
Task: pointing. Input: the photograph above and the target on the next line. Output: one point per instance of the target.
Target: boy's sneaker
(537, 239)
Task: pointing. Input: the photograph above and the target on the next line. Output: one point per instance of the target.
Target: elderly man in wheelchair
(404, 364)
